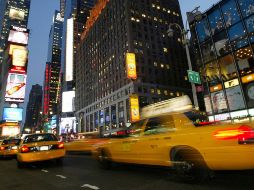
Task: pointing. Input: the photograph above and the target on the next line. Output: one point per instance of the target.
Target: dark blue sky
(40, 20)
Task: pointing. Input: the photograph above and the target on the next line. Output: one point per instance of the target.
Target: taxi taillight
(244, 134)
(24, 149)
(60, 145)
(2, 148)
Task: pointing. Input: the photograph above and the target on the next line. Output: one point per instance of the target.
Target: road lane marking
(61, 176)
(46, 171)
(90, 186)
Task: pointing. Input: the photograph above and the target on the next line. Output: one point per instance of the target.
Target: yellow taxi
(185, 140)
(85, 142)
(40, 147)
(9, 147)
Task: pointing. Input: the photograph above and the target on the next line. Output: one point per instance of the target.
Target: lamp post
(185, 40)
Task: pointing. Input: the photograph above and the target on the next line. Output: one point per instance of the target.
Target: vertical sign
(134, 108)
(69, 51)
(131, 66)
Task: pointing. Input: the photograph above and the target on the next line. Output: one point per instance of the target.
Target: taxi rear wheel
(103, 159)
(190, 166)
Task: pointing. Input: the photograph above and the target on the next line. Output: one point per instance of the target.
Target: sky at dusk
(40, 20)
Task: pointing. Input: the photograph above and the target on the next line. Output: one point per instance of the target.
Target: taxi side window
(159, 125)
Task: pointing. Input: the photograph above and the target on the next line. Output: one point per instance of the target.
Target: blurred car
(184, 140)
(40, 147)
(85, 142)
(9, 147)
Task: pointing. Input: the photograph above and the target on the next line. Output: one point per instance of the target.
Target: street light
(185, 40)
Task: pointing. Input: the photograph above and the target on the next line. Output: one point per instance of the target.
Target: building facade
(224, 42)
(34, 108)
(52, 80)
(104, 92)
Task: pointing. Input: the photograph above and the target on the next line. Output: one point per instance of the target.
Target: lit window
(152, 90)
(158, 91)
(155, 64)
(165, 50)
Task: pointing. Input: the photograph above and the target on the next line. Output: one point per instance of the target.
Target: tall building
(14, 37)
(12, 13)
(34, 108)
(76, 13)
(121, 36)
(52, 79)
(224, 46)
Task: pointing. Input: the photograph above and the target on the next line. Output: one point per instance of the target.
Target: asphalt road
(82, 172)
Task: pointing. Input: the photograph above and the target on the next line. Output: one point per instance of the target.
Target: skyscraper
(76, 13)
(13, 62)
(121, 37)
(51, 85)
(34, 107)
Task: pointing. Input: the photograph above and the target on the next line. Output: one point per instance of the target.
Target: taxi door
(126, 150)
(154, 145)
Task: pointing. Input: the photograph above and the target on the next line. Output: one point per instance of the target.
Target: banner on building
(134, 108)
(131, 66)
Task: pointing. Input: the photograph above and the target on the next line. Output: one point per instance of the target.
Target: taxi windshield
(39, 138)
(197, 118)
(11, 141)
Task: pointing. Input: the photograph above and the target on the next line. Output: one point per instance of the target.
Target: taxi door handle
(152, 139)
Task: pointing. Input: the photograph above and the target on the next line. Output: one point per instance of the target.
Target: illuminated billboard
(19, 57)
(10, 130)
(12, 114)
(16, 14)
(15, 89)
(69, 51)
(134, 108)
(68, 125)
(12, 47)
(67, 101)
(18, 37)
(131, 66)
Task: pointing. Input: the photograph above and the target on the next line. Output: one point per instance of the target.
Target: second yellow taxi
(9, 147)
(40, 147)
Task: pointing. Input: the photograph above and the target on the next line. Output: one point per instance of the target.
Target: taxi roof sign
(179, 104)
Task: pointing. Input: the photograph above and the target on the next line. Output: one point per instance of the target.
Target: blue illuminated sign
(12, 114)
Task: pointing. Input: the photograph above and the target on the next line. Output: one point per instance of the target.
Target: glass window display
(221, 43)
(228, 70)
(236, 31)
(230, 13)
(208, 51)
(212, 73)
(247, 7)
(245, 61)
(203, 30)
(216, 21)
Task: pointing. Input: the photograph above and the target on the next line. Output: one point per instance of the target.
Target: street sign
(194, 77)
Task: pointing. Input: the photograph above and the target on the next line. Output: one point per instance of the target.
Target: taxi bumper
(40, 156)
(6, 153)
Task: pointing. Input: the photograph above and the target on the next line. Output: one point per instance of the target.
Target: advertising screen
(68, 125)
(19, 57)
(219, 102)
(18, 37)
(10, 130)
(15, 89)
(69, 51)
(16, 14)
(67, 101)
(235, 98)
(12, 47)
(131, 66)
(12, 114)
(134, 108)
